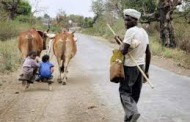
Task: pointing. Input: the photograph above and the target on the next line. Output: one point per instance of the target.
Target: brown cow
(64, 48)
(32, 40)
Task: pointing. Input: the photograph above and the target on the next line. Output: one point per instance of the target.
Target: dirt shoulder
(170, 65)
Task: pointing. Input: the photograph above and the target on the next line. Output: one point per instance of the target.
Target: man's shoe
(134, 117)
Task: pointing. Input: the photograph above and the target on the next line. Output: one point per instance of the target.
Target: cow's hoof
(24, 83)
(65, 78)
(64, 83)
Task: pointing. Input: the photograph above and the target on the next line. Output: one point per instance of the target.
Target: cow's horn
(48, 27)
(73, 32)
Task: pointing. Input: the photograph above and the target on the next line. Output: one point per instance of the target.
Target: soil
(170, 65)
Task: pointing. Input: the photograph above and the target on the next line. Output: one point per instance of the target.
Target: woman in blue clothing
(46, 69)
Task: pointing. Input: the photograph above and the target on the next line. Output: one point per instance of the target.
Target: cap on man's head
(132, 12)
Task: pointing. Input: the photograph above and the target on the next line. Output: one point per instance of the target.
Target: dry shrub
(183, 36)
(185, 45)
(7, 30)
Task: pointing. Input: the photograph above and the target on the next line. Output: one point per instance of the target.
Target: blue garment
(45, 70)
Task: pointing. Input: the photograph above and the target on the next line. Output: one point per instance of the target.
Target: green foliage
(101, 29)
(14, 8)
(98, 7)
(24, 8)
(55, 29)
(23, 18)
(87, 22)
(76, 19)
(147, 6)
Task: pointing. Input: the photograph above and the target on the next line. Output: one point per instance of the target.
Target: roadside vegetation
(180, 52)
(15, 20)
(17, 16)
(12, 22)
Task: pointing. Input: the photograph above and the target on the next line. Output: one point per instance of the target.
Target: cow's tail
(62, 68)
(29, 43)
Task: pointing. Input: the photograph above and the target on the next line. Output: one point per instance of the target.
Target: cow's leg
(24, 52)
(65, 76)
(66, 70)
(50, 51)
(59, 66)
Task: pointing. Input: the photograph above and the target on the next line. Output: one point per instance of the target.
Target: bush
(7, 30)
(22, 18)
(183, 37)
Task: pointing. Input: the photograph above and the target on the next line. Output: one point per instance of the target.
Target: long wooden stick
(111, 30)
(141, 71)
(149, 82)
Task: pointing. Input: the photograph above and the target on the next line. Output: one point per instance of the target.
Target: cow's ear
(42, 34)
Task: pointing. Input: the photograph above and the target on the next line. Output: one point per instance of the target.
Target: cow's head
(44, 35)
(70, 36)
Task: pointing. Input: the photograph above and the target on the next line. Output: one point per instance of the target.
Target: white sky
(52, 7)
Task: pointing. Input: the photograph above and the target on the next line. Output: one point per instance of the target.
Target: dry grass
(9, 56)
(178, 55)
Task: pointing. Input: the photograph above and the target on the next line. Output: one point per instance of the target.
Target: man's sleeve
(129, 35)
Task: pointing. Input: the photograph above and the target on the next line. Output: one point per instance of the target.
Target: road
(90, 97)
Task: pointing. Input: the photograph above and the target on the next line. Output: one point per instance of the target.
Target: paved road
(168, 102)
(90, 97)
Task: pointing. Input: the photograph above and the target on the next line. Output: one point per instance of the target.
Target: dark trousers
(130, 90)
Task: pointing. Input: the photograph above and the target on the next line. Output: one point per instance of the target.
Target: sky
(52, 7)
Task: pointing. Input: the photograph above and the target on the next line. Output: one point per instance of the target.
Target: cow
(64, 48)
(32, 40)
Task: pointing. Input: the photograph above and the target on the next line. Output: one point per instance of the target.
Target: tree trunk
(165, 8)
(11, 8)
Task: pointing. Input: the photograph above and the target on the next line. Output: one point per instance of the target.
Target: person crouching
(29, 69)
(46, 70)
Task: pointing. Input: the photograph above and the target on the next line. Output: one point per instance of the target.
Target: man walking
(130, 88)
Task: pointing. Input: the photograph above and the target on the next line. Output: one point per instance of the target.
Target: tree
(16, 7)
(46, 16)
(98, 9)
(166, 9)
(87, 22)
(161, 11)
(61, 19)
(76, 19)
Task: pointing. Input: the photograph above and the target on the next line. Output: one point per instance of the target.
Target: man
(130, 88)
